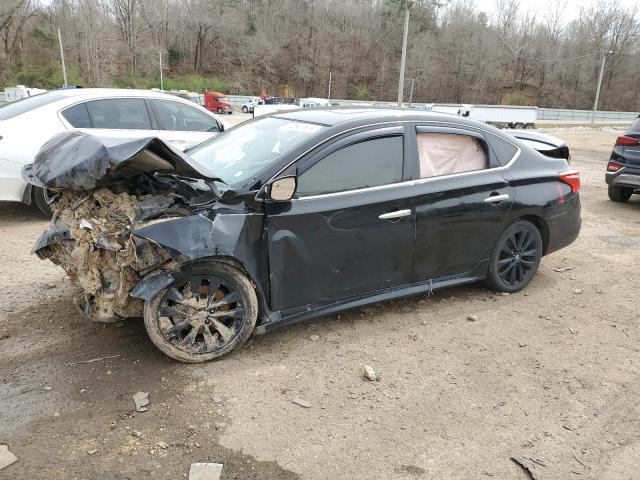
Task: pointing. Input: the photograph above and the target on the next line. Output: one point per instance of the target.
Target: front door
(350, 228)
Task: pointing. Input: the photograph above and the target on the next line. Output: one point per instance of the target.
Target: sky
(571, 11)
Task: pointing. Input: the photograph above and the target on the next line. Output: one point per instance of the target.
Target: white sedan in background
(27, 124)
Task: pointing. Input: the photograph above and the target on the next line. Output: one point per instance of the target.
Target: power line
(570, 58)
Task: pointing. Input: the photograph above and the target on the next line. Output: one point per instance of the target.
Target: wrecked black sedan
(296, 215)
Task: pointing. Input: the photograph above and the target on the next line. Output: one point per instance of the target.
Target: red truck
(217, 102)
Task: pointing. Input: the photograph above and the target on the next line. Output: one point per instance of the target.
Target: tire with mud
(210, 310)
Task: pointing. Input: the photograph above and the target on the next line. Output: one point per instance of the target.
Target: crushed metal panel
(79, 161)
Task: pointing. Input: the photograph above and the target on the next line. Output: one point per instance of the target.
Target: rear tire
(619, 194)
(210, 310)
(42, 200)
(515, 258)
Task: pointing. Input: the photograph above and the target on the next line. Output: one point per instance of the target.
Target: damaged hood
(80, 161)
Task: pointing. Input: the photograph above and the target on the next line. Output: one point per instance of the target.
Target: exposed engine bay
(102, 195)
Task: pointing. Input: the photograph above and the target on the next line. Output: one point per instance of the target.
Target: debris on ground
(313, 338)
(141, 399)
(47, 388)
(300, 402)
(162, 445)
(472, 318)
(205, 471)
(562, 269)
(369, 373)
(6, 457)
(91, 360)
(529, 466)
(92, 451)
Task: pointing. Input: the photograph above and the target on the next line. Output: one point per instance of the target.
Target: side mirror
(283, 189)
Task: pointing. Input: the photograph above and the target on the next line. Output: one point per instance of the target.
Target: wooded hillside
(288, 47)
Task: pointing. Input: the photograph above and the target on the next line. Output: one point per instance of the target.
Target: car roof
(365, 115)
(116, 92)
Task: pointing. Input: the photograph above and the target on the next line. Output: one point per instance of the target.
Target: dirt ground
(548, 376)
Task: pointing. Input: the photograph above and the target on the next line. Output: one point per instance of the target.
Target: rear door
(350, 229)
(463, 198)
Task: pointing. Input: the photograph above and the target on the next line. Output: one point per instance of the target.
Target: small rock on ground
(472, 318)
(369, 373)
(6, 457)
(141, 399)
(205, 471)
(300, 402)
(313, 338)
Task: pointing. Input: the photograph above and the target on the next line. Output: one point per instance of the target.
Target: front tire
(245, 110)
(42, 200)
(515, 258)
(619, 194)
(219, 110)
(207, 312)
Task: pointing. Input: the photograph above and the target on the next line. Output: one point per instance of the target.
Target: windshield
(241, 152)
(223, 99)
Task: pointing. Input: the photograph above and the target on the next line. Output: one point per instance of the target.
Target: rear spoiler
(547, 145)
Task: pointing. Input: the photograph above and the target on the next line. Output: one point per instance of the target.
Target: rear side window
(77, 116)
(172, 115)
(14, 109)
(365, 164)
(446, 153)
(119, 113)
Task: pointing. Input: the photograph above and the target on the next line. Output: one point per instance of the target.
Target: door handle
(496, 198)
(396, 214)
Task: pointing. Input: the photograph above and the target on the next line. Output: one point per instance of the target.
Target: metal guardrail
(565, 115)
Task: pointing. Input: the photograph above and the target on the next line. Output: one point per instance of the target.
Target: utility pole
(329, 91)
(411, 93)
(595, 103)
(161, 80)
(403, 58)
(64, 69)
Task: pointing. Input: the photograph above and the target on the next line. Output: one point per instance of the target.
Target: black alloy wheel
(206, 313)
(515, 257)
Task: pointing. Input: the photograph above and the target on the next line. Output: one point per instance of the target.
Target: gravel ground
(545, 380)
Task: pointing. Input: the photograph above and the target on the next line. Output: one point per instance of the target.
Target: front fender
(231, 234)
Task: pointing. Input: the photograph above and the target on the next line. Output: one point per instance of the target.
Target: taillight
(571, 178)
(624, 141)
(613, 167)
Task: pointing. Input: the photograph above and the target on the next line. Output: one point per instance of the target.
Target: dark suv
(623, 169)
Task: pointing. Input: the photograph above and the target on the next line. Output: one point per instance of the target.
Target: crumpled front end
(104, 189)
(91, 239)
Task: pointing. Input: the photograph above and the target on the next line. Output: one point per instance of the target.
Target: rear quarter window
(635, 126)
(25, 105)
(504, 150)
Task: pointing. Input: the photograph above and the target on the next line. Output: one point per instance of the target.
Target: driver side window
(368, 163)
(178, 116)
